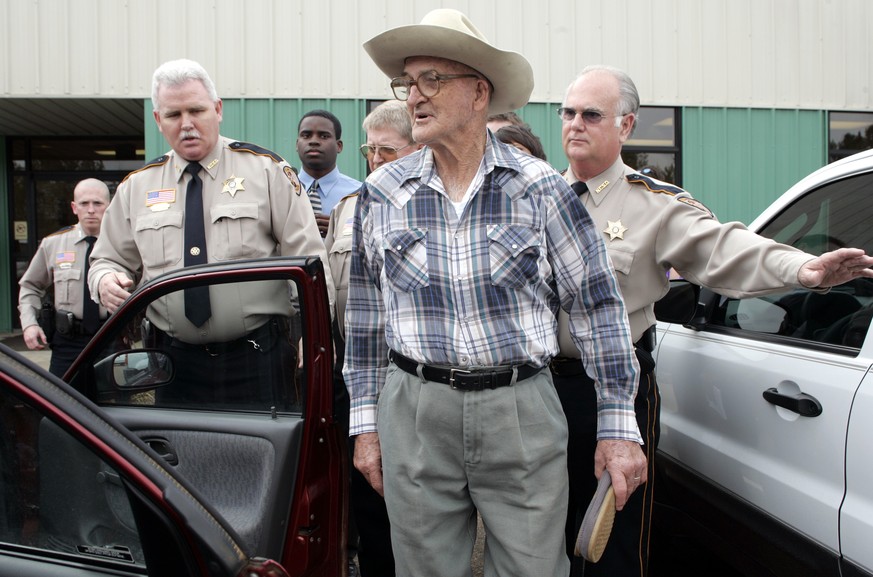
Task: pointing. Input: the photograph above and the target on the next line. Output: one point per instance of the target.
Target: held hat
(449, 34)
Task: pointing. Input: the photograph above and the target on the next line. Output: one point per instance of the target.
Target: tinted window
(836, 215)
(232, 362)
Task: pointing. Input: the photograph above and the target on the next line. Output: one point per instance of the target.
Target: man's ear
(339, 146)
(483, 94)
(627, 126)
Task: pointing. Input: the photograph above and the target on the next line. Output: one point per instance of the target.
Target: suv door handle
(801, 403)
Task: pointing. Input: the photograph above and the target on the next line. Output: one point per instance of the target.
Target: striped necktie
(315, 197)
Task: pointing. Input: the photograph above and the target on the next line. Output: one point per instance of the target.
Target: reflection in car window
(232, 362)
(833, 216)
(57, 495)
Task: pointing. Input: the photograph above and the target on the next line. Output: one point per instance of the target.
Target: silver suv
(767, 403)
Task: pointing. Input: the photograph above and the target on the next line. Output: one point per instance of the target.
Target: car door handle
(801, 403)
(163, 448)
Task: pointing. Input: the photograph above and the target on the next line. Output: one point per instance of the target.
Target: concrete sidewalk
(15, 341)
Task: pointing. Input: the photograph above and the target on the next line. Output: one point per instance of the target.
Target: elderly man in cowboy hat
(462, 255)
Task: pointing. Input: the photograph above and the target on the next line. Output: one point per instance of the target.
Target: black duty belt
(465, 379)
(69, 326)
(571, 367)
(260, 339)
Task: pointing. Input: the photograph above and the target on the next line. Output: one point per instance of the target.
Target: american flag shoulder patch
(164, 195)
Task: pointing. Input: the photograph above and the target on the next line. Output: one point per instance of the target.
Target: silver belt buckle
(452, 376)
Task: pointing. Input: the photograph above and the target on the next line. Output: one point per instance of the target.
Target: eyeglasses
(390, 152)
(428, 83)
(589, 117)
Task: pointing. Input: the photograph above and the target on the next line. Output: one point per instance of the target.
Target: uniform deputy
(209, 199)
(61, 260)
(650, 226)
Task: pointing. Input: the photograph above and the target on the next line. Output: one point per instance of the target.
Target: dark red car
(159, 456)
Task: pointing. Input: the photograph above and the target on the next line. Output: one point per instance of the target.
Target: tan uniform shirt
(253, 208)
(59, 260)
(338, 243)
(650, 226)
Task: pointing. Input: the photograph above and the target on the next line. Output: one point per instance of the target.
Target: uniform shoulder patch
(654, 185)
(159, 161)
(695, 203)
(255, 149)
(292, 177)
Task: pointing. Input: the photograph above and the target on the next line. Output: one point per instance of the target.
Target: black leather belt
(465, 379)
(571, 367)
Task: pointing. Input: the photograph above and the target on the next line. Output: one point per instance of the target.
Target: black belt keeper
(465, 379)
(571, 367)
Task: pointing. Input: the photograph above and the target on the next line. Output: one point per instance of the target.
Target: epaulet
(356, 193)
(255, 149)
(654, 185)
(62, 230)
(674, 191)
(159, 161)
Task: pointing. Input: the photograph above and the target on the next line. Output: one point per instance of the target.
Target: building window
(654, 144)
(44, 172)
(849, 133)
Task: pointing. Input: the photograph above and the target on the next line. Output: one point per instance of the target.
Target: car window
(234, 361)
(59, 500)
(835, 215)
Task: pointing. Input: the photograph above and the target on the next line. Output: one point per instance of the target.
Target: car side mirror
(134, 370)
(679, 304)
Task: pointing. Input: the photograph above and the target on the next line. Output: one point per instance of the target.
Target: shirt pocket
(66, 291)
(622, 259)
(159, 238)
(406, 259)
(339, 259)
(236, 227)
(515, 253)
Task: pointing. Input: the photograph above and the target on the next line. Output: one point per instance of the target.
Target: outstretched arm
(835, 268)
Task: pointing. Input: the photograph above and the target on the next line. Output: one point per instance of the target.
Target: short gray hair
(177, 72)
(628, 97)
(390, 114)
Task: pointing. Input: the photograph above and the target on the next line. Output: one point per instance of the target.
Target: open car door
(243, 417)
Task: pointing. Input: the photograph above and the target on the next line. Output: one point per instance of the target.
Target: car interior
(227, 416)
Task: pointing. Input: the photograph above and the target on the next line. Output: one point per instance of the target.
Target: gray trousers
(447, 454)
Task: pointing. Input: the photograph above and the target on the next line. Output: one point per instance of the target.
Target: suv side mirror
(679, 304)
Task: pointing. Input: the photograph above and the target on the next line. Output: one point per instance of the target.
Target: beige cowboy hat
(449, 34)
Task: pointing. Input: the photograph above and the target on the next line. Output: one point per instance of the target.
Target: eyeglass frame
(378, 146)
(589, 120)
(440, 78)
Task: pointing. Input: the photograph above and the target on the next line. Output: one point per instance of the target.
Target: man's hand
(323, 222)
(113, 290)
(368, 459)
(835, 268)
(34, 338)
(626, 464)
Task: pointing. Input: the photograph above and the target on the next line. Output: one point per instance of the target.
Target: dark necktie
(315, 197)
(90, 309)
(197, 306)
(579, 188)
